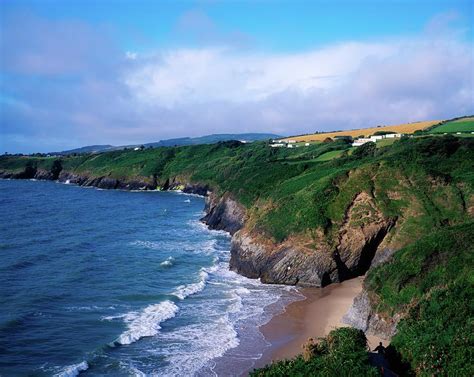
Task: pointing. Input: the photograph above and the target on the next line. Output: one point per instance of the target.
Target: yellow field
(406, 128)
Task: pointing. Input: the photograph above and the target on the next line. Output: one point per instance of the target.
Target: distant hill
(88, 149)
(207, 139)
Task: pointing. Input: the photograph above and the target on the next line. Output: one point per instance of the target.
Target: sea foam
(146, 322)
(184, 291)
(73, 370)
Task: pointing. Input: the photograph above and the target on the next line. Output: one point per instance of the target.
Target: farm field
(329, 155)
(459, 125)
(406, 128)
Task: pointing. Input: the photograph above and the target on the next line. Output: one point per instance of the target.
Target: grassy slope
(458, 125)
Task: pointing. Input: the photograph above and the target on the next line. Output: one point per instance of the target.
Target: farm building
(361, 141)
(374, 138)
(391, 136)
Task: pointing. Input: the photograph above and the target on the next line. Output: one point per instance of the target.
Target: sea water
(105, 282)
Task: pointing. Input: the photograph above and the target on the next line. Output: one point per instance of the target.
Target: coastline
(288, 322)
(313, 317)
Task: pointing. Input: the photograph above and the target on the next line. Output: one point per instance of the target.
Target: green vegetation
(431, 283)
(342, 353)
(329, 155)
(465, 125)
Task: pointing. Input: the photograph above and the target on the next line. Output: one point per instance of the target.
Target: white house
(289, 146)
(391, 136)
(136, 149)
(277, 145)
(374, 138)
(292, 141)
(359, 142)
(307, 144)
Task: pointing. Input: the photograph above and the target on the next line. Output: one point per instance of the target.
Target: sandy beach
(315, 316)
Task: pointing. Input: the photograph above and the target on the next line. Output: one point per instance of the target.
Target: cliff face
(223, 213)
(319, 261)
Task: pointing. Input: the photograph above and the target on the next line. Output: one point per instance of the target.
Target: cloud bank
(67, 84)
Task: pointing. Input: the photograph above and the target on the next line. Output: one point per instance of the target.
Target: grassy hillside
(458, 125)
(425, 183)
(406, 128)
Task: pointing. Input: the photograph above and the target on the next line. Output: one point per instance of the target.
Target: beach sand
(313, 317)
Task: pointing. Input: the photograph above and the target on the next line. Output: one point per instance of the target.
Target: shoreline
(313, 317)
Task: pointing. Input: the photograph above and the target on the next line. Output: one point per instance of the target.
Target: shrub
(342, 353)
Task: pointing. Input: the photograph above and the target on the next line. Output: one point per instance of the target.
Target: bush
(365, 150)
(342, 353)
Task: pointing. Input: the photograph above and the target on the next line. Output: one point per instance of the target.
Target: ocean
(108, 282)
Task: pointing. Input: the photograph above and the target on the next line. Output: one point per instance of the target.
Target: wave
(168, 262)
(193, 346)
(146, 322)
(73, 370)
(200, 226)
(184, 291)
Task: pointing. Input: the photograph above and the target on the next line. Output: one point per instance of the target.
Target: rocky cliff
(318, 261)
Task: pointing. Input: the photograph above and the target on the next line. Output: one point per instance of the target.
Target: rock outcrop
(224, 213)
(362, 316)
(359, 238)
(285, 264)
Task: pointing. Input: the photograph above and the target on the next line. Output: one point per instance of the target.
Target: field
(459, 125)
(406, 128)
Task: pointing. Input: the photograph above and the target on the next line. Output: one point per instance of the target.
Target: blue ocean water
(104, 282)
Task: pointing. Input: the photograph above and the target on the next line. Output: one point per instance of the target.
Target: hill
(407, 128)
(463, 124)
(207, 139)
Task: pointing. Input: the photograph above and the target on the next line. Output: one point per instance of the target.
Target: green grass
(329, 156)
(460, 125)
(386, 142)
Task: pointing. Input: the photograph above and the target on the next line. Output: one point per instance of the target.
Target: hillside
(406, 128)
(464, 124)
(207, 139)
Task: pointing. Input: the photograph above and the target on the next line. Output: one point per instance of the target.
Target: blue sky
(88, 72)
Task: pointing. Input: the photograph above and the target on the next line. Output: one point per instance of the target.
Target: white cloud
(350, 84)
(186, 76)
(90, 92)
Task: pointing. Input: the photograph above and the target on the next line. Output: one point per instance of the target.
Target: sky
(75, 73)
